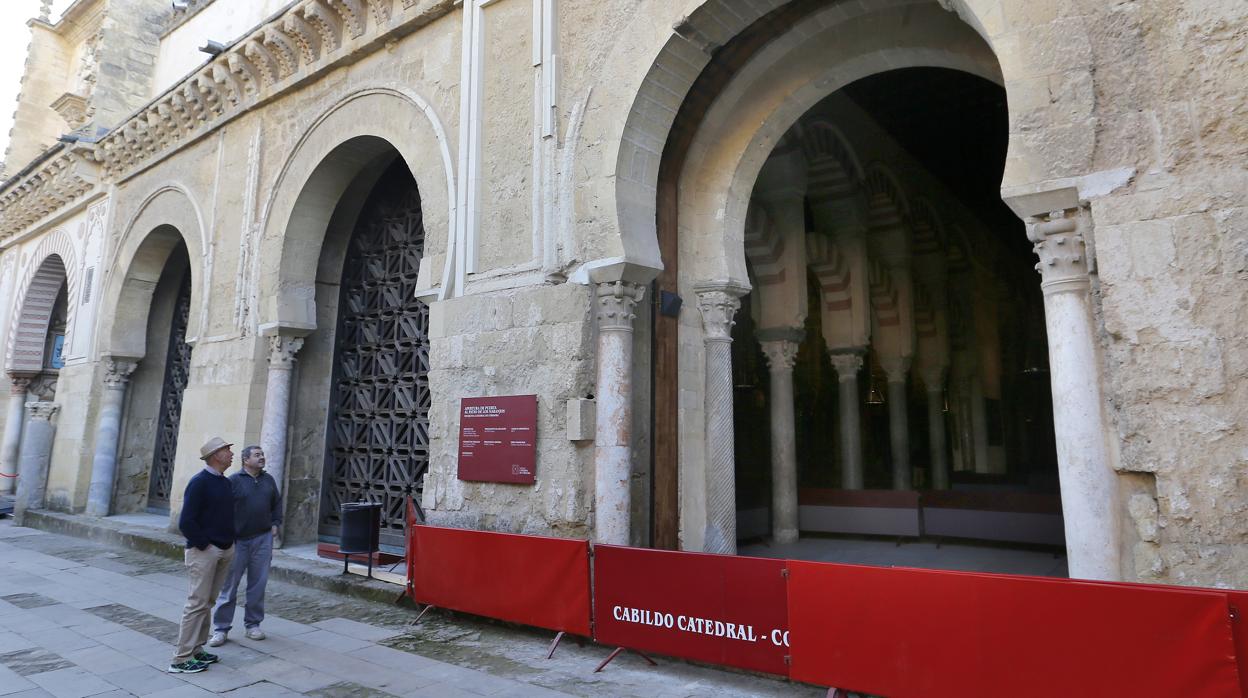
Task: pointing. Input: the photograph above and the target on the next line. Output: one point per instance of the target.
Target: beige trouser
(207, 570)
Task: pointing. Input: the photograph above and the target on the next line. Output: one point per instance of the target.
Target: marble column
(275, 421)
(36, 456)
(718, 304)
(780, 346)
(1090, 502)
(847, 367)
(898, 419)
(108, 436)
(615, 303)
(935, 381)
(13, 433)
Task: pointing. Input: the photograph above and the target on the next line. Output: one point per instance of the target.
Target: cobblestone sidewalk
(81, 619)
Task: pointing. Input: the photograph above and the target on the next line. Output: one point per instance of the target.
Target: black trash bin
(361, 530)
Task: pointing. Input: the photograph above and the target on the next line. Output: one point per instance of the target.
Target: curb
(323, 576)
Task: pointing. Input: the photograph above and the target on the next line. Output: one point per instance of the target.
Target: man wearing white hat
(207, 521)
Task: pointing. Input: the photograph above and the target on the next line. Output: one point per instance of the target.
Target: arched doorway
(377, 436)
(35, 354)
(896, 292)
(148, 448)
(759, 78)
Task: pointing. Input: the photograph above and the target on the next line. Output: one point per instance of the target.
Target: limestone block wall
(536, 340)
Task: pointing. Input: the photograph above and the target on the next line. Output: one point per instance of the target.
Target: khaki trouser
(207, 570)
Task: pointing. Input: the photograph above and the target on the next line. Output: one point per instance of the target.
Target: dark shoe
(206, 658)
(190, 666)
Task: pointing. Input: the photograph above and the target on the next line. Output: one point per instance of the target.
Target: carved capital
(42, 411)
(719, 303)
(282, 351)
(117, 373)
(18, 384)
(1057, 239)
(895, 367)
(781, 354)
(615, 304)
(847, 365)
(934, 378)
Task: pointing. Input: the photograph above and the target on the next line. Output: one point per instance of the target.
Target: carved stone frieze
(37, 194)
(309, 37)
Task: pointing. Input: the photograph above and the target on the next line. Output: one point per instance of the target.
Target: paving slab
(71, 683)
(319, 643)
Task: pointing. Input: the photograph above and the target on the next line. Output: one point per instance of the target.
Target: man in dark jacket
(207, 521)
(257, 514)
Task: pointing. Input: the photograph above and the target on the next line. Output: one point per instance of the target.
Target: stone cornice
(43, 190)
(307, 39)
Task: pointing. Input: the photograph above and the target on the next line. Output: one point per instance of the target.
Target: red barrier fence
(886, 631)
(929, 634)
(533, 580)
(719, 609)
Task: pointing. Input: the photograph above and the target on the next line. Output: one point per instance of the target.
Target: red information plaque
(498, 439)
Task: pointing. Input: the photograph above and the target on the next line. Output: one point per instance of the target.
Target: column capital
(781, 353)
(117, 372)
(719, 301)
(615, 303)
(42, 411)
(934, 378)
(282, 350)
(1057, 239)
(18, 383)
(895, 367)
(847, 365)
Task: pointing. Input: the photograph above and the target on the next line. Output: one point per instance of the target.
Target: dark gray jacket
(257, 504)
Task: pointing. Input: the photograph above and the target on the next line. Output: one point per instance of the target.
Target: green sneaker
(206, 658)
(190, 666)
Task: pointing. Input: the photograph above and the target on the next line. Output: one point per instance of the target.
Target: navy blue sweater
(208, 512)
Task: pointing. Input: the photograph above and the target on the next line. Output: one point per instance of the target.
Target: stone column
(780, 347)
(36, 455)
(898, 419)
(13, 433)
(107, 436)
(1090, 506)
(718, 303)
(935, 381)
(276, 418)
(847, 367)
(614, 307)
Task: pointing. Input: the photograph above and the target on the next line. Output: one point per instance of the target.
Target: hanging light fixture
(945, 396)
(874, 396)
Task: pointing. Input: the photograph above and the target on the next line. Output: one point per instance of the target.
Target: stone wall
(537, 340)
(1140, 105)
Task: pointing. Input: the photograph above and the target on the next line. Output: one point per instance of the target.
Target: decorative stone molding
(616, 302)
(282, 351)
(117, 373)
(719, 303)
(310, 37)
(73, 108)
(35, 194)
(1057, 241)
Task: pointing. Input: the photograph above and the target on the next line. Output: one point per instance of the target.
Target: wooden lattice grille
(377, 441)
(177, 369)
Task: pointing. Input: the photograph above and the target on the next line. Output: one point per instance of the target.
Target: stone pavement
(78, 618)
